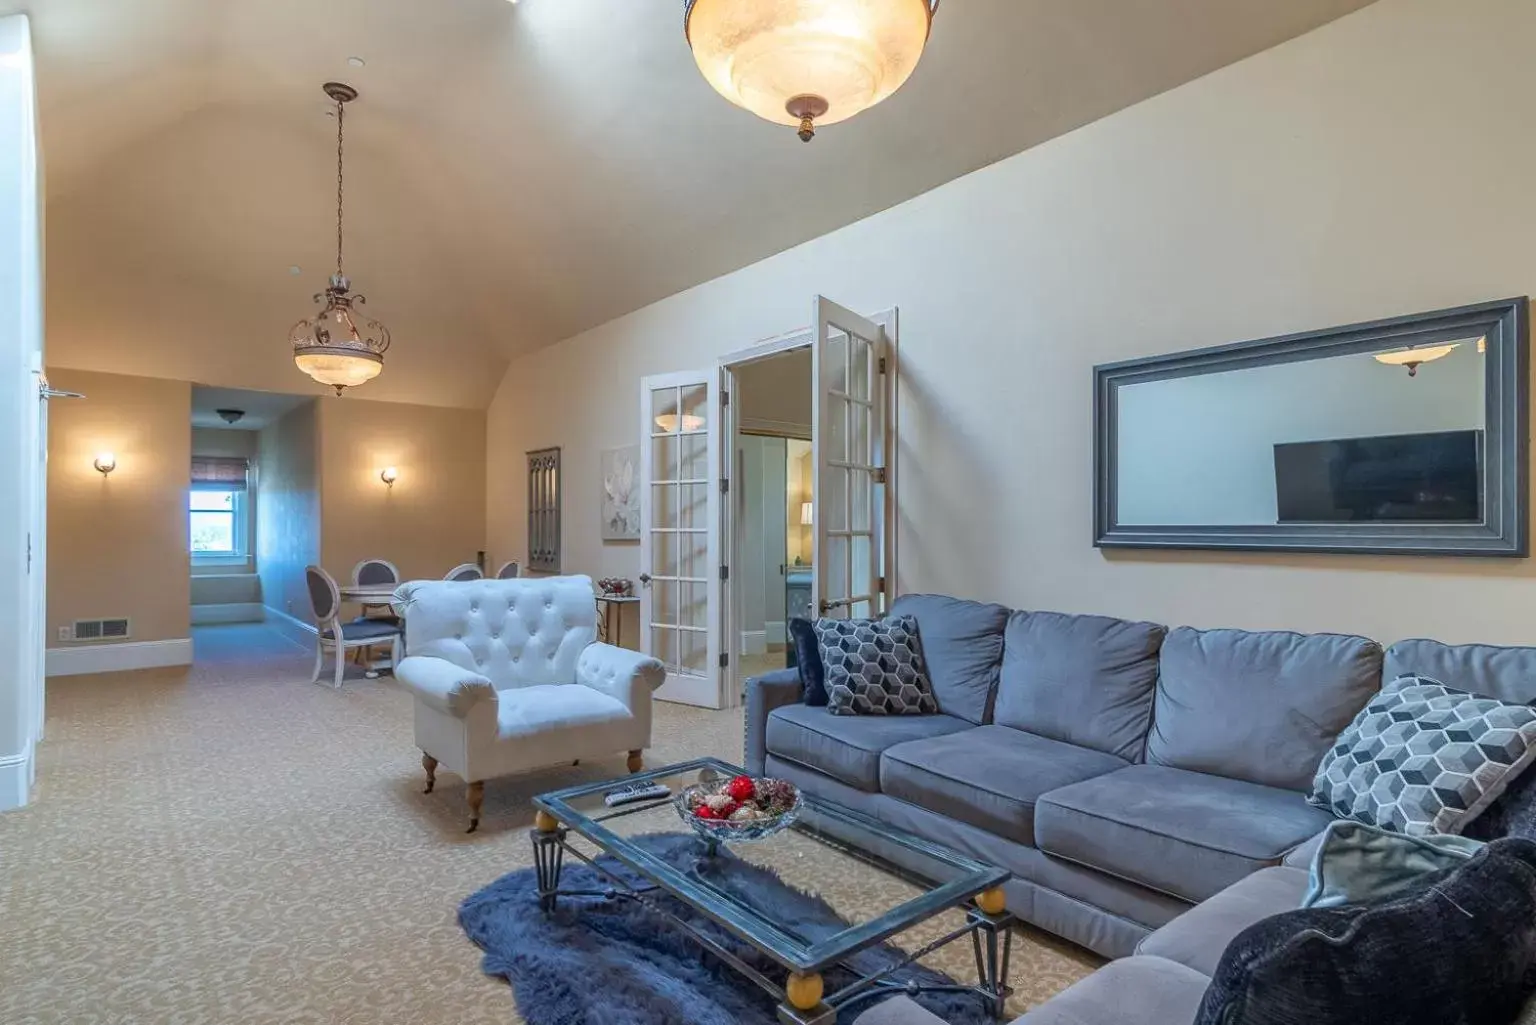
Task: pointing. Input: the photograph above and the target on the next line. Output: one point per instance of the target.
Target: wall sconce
(105, 462)
(389, 475)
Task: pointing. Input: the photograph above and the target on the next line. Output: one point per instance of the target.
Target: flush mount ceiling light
(668, 422)
(339, 346)
(805, 63)
(1414, 358)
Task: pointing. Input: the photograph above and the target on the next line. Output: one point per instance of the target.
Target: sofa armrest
(440, 684)
(620, 673)
(898, 1010)
(765, 693)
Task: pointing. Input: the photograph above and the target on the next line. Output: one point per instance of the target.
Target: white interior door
(852, 370)
(680, 470)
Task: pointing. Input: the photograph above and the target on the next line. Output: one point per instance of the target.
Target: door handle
(827, 605)
(645, 579)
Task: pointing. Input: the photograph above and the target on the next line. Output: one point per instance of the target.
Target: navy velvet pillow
(1458, 947)
(1513, 814)
(802, 641)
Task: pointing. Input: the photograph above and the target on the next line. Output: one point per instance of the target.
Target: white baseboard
(229, 612)
(294, 629)
(754, 642)
(15, 780)
(775, 632)
(115, 658)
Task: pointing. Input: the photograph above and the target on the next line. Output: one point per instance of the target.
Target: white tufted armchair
(508, 677)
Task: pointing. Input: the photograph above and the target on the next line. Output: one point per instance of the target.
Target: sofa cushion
(1261, 707)
(1086, 680)
(1198, 937)
(1132, 991)
(848, 747)
(989, 776)
(1184, 833)
(1508, 674)
(963, 646)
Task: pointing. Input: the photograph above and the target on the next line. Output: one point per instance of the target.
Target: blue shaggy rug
(601, 962)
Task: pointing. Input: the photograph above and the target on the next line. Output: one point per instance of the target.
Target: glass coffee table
(828, 853)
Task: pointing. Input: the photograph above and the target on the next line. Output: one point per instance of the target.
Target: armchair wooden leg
(430, 764)
(475, 795)
(636, 763)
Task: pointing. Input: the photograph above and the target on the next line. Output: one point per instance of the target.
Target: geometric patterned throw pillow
(1424, 758)
(874, 667)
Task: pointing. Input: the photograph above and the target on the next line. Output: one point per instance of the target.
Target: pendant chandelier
(805, 63)
(340, 346)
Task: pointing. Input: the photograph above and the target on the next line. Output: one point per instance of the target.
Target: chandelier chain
(341, 113)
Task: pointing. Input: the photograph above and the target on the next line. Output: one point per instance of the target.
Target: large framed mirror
(1401, 436)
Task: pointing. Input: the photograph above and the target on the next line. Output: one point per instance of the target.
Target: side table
(611, 622)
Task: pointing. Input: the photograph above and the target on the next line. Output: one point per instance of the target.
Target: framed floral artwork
(620, 504)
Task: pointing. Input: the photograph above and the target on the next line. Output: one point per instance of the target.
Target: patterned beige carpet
(232, 844)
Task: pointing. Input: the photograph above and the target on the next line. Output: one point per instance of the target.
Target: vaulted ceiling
(517, 173)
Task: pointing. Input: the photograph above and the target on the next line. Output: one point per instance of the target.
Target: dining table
(371, 596)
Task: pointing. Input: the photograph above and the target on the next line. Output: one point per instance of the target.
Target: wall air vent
(100, 629)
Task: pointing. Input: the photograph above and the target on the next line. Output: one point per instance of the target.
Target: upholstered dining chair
(338, 637)
(466, 571)
(374, 572)
(509, 571)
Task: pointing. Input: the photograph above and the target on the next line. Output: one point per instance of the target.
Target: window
(217, 518)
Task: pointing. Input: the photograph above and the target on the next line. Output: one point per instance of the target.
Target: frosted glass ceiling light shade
(339, 346)
(806, 63)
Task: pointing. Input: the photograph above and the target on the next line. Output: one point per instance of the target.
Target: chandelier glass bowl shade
(1415, 358)
(806, 63)
(340, 346)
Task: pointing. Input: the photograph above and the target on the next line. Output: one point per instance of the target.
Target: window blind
(219, 471)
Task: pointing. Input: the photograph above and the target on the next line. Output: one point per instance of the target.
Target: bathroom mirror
(1401, 436)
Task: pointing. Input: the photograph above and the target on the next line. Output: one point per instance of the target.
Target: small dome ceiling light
(807, 63)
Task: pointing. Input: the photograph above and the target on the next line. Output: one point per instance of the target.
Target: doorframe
(732, 683)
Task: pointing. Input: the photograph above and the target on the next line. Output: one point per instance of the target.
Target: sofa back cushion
(518, 632)
(1261, 707)
(963, 646)
(1085, 680)
(1508, 674)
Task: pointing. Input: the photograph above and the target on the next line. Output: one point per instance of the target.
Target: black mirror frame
(1504, 530)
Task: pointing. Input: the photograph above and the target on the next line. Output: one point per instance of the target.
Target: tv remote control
(636, 792)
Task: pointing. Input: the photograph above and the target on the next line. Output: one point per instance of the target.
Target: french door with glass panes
(680, 564)
(853, 421)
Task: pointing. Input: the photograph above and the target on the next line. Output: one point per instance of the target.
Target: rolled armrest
(440, 684)
(898, 1010)
(764, 694)
(620, 673)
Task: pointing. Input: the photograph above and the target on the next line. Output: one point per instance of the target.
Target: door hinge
(882, 364)
(725, 397)
(725, 572)
(878, 475)
(725, 485)
(725, 659)
(880, 585)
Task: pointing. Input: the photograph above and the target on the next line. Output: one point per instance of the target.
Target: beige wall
(433, 518)
(288, 508)
(231, 444)
(776, 394)
(117, 546)
(1377, 166)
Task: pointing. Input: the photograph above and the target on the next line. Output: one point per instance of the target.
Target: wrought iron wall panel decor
(1404, 436)
(544, 510)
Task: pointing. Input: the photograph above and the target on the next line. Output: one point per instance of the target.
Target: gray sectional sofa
(1130, 776)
